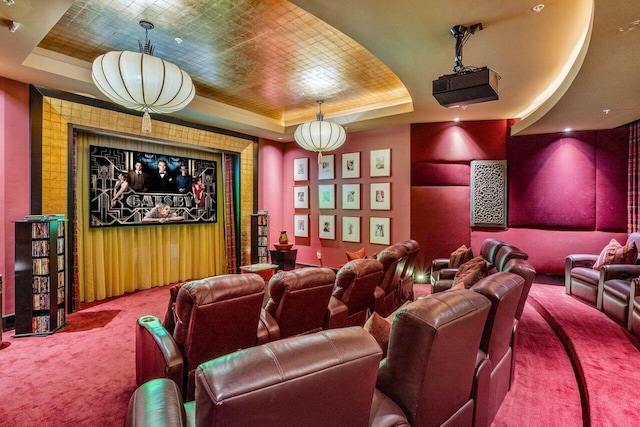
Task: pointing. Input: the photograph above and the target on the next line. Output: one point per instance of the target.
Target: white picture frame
(351, 165)
(379, 230)
(301, 225)
(351, 229)
(380, 195)
(327, 227)
(326, 168)
(351, 196)
(327, 196)
(301, 169)
(301, 197)
(380, 164)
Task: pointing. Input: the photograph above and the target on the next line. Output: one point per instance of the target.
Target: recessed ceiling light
(178, 40)
(538, 8)
(9, 2)
(456, 119)
(568, 129)
(606, 110)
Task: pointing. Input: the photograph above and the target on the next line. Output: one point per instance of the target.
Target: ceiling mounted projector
(468, 85)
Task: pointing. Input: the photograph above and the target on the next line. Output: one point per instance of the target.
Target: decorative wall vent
(489, 193)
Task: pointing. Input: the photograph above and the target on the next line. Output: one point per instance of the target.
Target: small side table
(285, 258)
(265, 270)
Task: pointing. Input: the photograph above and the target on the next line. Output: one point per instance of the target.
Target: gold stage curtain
(115, 260)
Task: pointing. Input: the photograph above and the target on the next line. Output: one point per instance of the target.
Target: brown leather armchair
(495, 356)
(353, 293)
(428, 374)
(387, 293)
(214, 316)
(322, 379)
(583, 281)
(297, 304)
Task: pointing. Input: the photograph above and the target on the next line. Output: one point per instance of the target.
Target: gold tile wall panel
(57, 114)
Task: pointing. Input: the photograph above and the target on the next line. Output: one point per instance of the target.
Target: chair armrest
(447, 273)
(437, 265)
(268, 329)
(156, 403)
(580, 260)
(157, 354)
(337, 313)
(620, 271)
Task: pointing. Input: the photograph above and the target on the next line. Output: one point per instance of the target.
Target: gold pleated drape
(115, 260)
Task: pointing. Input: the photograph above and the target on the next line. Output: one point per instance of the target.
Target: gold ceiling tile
(268, 57)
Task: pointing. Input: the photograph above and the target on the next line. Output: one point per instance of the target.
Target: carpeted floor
(84, 374)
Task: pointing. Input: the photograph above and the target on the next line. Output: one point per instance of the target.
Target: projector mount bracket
(462, 33)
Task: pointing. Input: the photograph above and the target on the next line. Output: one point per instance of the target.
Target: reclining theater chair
(493, 378)
(588, 284)
(214, 316)
(297, 304)
(427, 377)
(353, 293)
(324, 379)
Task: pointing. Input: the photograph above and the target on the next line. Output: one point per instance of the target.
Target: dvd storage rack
(259, 238)
(40, 275)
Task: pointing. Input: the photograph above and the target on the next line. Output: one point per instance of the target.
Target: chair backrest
(430, 376)
(507, 252)
(503, 290)
(322, 379)
(525, 270)
(356, 283)
(392, 259)
(413, 247)
(217, 315)
(298, 299)
(489, 249)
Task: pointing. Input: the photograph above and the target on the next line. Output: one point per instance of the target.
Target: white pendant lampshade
(320, 136)
(142, 82)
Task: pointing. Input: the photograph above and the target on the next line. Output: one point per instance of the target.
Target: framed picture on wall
(326, 168)
(351, 229)
(301, 197)
(379, 230)
(301, 225)
(301, 169)
(381, 196)
(380, 162)
(327, 227)
(327, 196)
(350, 196)
(351, 165)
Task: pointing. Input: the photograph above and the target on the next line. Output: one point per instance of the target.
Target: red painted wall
(278, 195)
(567, 193)
(14, 179)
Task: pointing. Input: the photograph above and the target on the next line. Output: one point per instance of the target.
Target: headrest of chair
(220, 288)
(300, 278)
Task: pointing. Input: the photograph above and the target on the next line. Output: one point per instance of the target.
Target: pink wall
(14, 179)
(279, 198)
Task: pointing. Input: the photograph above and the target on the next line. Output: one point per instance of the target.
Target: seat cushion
(618, 288)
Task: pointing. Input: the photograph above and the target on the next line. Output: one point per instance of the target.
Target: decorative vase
(283, 240)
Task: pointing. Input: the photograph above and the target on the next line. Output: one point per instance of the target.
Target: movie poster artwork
(127, 185)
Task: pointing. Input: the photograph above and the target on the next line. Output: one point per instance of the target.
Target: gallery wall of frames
(345, 195)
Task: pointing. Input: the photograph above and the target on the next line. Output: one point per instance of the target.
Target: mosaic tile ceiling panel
(268, 57)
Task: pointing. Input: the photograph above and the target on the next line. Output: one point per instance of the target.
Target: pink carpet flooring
(84, 374)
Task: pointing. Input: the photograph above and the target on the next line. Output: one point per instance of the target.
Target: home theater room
(319, 213)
